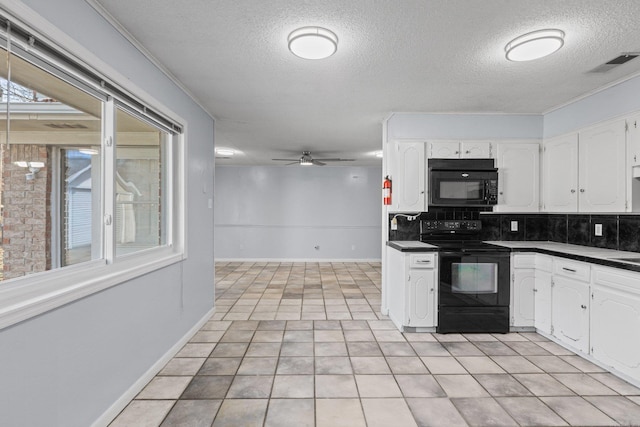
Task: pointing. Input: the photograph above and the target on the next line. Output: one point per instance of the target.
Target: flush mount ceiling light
(534, 45)
(313, 43)
(225, 152)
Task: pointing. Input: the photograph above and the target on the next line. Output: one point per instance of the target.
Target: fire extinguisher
(386, 191)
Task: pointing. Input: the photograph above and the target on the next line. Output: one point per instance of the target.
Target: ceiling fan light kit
(307, 160)
(534, 45)
(313, 42)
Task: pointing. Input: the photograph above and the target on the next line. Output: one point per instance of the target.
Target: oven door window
(474, 278)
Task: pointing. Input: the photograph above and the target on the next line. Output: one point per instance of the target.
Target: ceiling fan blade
(336, 160)
(286, 160)
(317, 162)
(293, 163)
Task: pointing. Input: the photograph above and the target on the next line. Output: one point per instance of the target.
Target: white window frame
(25, 297)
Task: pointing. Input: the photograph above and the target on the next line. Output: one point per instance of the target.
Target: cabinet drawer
(422, 261)
(524, 261)
(577, 270)
(544, 263)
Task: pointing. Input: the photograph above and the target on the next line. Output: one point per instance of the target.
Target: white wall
(283, 212)
(68, 366)
(463, 126)
(609, 103)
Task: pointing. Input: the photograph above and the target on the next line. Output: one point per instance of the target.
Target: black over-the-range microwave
(463, 182)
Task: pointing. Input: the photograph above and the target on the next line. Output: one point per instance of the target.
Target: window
(139, 180)
(89, 180)
(48, 214)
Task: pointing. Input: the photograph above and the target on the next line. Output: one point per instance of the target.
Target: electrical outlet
(514, 225)
(598, 230)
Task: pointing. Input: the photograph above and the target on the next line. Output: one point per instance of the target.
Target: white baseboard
(112, 412)
(319, 260)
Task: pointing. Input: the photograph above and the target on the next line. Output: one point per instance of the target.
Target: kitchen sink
(636, 260)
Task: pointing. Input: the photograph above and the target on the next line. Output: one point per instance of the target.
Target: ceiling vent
(66, 126)
(622, 59)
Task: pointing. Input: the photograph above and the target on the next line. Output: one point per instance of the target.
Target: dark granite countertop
(411, 246)
(600, 256)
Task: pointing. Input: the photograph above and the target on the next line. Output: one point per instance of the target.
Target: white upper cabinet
(561, 174)
(585, 171)
(460, 150)
(408, 176)
(633, 136)
(519, 177)
(601, 172)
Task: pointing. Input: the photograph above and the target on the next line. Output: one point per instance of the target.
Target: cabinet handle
(467, 152)
(573, 190)
(569, 269)
(584, 307)
(457, 152)
(501, 193)
(535, 290)
(423, 261)
(431, 290)
(582, 190)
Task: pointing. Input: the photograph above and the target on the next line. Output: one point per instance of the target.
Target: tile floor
(305, 345)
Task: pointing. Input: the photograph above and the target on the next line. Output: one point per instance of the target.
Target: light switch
(598, 230)
(514, 225)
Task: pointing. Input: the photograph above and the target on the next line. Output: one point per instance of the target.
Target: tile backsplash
(621, 232)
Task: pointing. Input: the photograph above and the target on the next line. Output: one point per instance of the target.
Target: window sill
(29, 296)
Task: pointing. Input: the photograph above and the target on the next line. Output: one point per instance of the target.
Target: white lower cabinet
(542, 293)
(531, 291)
(591, 309)
(523, 277)
(615, 320)
(422, 298)
(412, 288)
(570, 303)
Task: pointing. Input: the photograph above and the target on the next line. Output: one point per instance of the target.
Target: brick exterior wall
(27, 212)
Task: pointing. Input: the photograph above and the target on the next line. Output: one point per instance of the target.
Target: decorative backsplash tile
(620, 232)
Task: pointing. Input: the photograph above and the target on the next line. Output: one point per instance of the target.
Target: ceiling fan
(307, 160)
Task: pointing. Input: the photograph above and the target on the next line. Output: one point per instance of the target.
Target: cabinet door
(602, 168)
(393, 291)
(421, 297)
(523, 312)
(444, 150)
(570, 312)
(476, 150)
(615, 321)
(542, 301)
(518, 177)
(409, 179)
(561, 174)
(633, 136)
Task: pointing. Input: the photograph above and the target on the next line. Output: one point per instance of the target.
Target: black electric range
(474, 288)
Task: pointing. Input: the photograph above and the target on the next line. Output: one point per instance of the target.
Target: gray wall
(283, 212)
(68, 366)
(464, 126)
(612, 102)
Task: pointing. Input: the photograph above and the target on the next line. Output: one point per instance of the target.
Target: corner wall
(67, 367)
(284, 212)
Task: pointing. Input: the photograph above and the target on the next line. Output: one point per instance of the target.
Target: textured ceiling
(393, 55)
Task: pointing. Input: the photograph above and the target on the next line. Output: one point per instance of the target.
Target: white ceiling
(393, 55)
